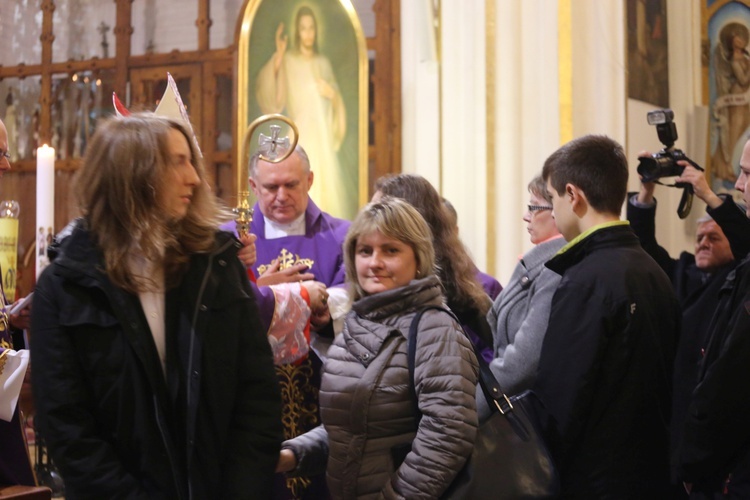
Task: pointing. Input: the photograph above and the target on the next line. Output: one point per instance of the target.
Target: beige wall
(448, 138)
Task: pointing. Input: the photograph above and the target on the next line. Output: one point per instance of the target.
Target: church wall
(463, 130)
(528, 121)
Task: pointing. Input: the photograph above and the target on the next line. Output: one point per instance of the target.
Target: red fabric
(119, 106)
(306, 296)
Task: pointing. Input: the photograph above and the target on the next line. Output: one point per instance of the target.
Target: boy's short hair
(596, 165)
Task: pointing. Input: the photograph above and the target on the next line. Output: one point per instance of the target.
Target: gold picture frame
(320, 82)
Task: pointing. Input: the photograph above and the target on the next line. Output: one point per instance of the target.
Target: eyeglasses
(538, 208)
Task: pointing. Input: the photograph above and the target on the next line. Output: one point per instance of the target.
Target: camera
(663, 163)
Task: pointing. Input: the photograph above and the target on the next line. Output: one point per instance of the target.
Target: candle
(45, 204)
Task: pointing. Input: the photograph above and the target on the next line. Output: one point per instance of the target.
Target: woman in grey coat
(520, 313)
(370, 439)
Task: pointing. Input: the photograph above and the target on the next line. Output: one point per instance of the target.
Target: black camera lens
(657, 166)
(648, 169)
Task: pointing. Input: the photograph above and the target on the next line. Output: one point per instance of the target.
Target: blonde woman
(369, 437)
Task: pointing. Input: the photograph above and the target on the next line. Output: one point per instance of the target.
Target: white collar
(275, 230)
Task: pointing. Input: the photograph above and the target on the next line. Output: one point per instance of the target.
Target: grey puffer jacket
(367, 410)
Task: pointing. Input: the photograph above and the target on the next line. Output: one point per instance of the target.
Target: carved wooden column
(204, 24)
(47, 37)
(208, 125)
(123, 31)
(387, 82)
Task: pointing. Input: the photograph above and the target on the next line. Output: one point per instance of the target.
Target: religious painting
(307, 60)
(726, 25)
(648, 63)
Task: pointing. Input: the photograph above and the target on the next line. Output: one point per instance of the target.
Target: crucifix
(103, 29)
(268, 146)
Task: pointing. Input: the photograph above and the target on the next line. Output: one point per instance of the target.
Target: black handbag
(510, 459)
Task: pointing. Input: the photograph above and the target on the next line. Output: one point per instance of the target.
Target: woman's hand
(287, 461)
(320, 319)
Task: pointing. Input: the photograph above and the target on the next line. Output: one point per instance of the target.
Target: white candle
(45, 204)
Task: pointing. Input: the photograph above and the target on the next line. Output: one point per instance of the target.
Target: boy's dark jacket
(605, 372)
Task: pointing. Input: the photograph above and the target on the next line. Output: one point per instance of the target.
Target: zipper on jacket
(170, 456)
(188, 378)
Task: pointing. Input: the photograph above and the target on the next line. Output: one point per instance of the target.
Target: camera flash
(659, 116)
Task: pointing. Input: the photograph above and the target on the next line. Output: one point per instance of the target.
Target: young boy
(606, 365)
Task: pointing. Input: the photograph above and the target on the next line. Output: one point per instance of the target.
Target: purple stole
(320, 247)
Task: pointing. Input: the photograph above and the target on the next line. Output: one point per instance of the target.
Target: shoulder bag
(510, 460)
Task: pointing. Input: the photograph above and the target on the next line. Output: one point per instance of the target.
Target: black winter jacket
(716, 436)
(115, 425)
(605, 371)
(698, 293)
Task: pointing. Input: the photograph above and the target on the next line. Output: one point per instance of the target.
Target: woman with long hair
(152, 374)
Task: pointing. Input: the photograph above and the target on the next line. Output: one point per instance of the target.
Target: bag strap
(487, 381)
(412, 355)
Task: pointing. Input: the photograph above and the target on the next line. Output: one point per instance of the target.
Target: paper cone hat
(170, 106)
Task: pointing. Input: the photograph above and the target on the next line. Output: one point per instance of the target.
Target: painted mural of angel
(732, 105)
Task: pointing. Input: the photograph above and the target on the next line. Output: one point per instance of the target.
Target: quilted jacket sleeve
(311, 450)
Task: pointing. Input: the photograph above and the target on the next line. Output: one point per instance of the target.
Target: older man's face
(711, 247)
(281, 188)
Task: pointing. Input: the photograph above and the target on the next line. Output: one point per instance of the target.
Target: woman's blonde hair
(395, 219)
(124, 171)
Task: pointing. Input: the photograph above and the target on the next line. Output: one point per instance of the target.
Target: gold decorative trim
(565, 68)
(490, 22)
(3, 360)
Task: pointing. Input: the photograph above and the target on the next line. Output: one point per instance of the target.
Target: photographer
(696, 278)
(713, 455)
